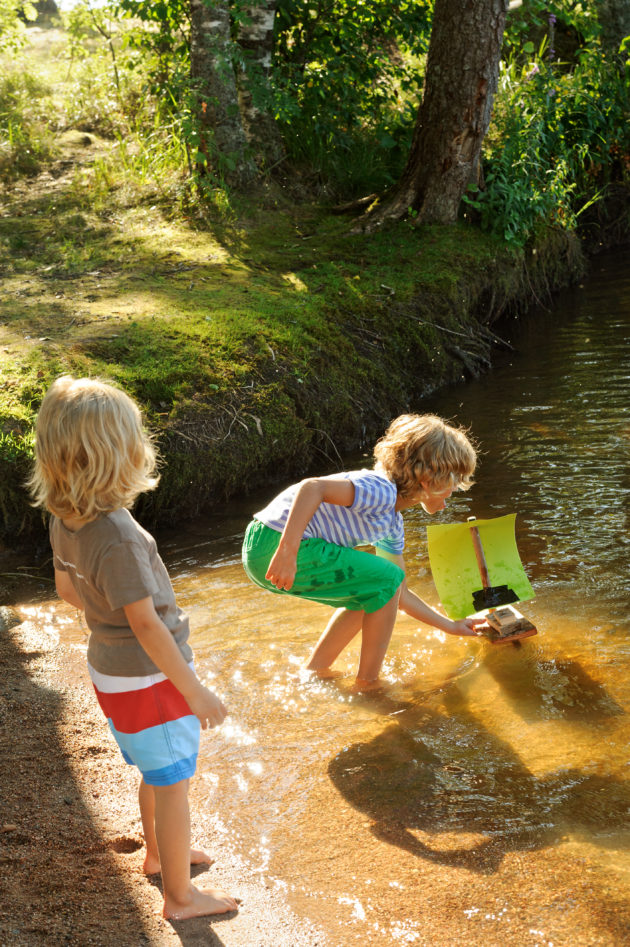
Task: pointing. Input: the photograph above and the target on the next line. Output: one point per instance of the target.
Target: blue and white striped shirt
(370, 520)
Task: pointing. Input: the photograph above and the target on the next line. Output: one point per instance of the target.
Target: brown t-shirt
(112, 562)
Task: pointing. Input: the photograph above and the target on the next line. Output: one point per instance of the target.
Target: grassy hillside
(261, 337)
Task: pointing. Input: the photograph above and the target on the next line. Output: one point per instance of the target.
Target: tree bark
(222, 136)
(461, 80)
(614, 18)
(255, 37)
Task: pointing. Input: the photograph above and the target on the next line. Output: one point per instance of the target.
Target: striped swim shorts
(152, 724)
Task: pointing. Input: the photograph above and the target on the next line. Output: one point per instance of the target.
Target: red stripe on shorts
(132, 711)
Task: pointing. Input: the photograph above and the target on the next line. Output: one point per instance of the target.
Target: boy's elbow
(143, 622)
(312, 488)
(66, 591)
(309, 483)
(142, 627)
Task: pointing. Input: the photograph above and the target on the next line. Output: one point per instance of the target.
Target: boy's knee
(173, 789)
(396, 595)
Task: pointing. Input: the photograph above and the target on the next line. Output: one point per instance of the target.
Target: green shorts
(332, 575)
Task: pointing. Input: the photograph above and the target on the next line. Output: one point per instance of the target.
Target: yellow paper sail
(455, 568)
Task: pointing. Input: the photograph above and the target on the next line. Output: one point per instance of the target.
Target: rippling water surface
(483, 797)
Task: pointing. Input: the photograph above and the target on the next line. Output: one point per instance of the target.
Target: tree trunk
(255, 37)
(461, 80)
(614, 18)
(46, 10)
(222, 137)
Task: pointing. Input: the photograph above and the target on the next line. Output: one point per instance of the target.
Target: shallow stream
(483, 797)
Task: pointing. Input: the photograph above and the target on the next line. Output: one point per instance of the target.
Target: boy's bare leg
(376, 634)
(146, 800)
(151, 866)
(339, 632)
(172, 828)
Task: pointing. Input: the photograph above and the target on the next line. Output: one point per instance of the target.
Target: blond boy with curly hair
(93, 458)
(304, 542)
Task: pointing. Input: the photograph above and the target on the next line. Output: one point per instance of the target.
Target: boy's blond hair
(423, 447)
(92, 454)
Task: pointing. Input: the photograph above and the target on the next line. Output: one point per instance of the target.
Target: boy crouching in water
(303, 543)
(92, 460)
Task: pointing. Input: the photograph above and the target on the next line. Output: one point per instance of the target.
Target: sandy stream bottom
(70, 855)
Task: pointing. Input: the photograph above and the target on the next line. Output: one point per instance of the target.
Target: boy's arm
(310, 494)
(412, 605)
(162, 648)
(66, 590)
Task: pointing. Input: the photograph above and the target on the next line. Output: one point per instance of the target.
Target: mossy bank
(262, 346)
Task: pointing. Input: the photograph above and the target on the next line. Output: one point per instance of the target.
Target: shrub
(559, 138)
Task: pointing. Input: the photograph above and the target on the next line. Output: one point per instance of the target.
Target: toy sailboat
(463, 554)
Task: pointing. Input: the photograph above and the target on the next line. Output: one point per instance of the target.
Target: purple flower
(552, 19)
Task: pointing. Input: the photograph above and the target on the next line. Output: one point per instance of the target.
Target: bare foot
(360, 685)
(197, 857)
(152, 866)
(327, 674)
(199, 903)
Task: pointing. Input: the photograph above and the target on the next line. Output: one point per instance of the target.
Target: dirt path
(70, 847)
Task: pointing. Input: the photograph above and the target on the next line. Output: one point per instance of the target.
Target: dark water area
(553, 420)
(483, 796)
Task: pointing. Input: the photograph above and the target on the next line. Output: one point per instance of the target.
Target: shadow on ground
(441, 785)
(58, 874)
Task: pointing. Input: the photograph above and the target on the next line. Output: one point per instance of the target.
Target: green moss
(256, 352)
